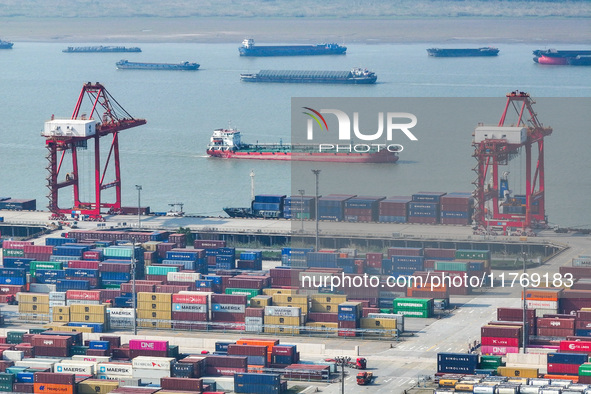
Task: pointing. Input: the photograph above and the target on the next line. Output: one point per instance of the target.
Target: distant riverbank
(480, 31)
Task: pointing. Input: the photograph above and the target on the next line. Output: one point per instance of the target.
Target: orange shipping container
(53, 388)
(542, 294)
(261, 342)
(574, 378)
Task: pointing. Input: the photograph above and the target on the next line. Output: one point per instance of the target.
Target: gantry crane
(495, 146)
(67, 136)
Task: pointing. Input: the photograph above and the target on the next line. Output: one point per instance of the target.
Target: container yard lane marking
(431, 348)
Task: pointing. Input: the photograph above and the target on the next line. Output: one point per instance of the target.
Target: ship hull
(439, 52)
(302, 50)
(555, 61)
(383, 156)
(350, 81)
(156, 66)
(579, 61)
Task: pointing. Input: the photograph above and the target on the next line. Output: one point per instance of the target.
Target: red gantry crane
(495, 146)
(64, 137)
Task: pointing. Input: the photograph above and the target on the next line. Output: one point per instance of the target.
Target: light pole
(316, 173)
(133, 293)
(342, 361)
(525, 331)
(302, 191)
(139, 217)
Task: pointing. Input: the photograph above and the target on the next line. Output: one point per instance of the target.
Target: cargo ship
(227, 144)
(463, 52)
(355, 76)
(6, 44)
(248, 48)
(561, 58)
(100, 48)
(126, 65)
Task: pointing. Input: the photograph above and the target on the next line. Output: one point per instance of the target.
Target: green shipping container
(125, 253)
(384, 310)
(412, 303)
(112, 286)
(79, 350)
(451, 266)
(465, 254)
(37, 331)
(45, 265)
(491, 362)
(160, 269)
(172, 351)
(424, 313)
(15, 337)
(13, 253)
(248, 292)
(585, 369)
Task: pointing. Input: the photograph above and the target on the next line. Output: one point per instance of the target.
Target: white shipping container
(153, 363)
(199, 308)
(283, 311)
(121, 312)
(399, 319)
(56, 303)
(150, 375)
(578, 262)
(115, 369)
(41, 288)
(120, 322)
(539, 382)
(79, 368)
(535, 304)
(482, 389)
(541, 312)
(529, 389)
(82, 302)
(120, 378)
(12, 355)
(183, 276)
(57, 296)
(70, 127)
(513, 135)
(36, 363)
(91, 359)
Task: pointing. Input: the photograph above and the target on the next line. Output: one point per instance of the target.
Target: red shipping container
(374, 257)
(323, 317)
(575, 346)
(208, 244)
(92, 255)
(7, 244)
(555, 332)
(247, 350)
(514, 314)
(56, 341)
(227, 316)
(348, 324)
(190, 299)
(40, 249)
(366, 311)
(544, 322)
(11, 289)
(236, 299)
(52, 351)
(583, 325)
(114, 341)
(121, 353)
(405, 252)
(190, 316)
(114, 267)
(84, 264)
(226, 361)
(185, 384)
(585, 379)
(571, 369)
(584, 315)
(500, 332)
(223, 371)
(55, 378)
(255, 312)
(23, 387)
(170, 288)
(87, 295)
(577, 272)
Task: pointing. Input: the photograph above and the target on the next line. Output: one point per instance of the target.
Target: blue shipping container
(101, 345)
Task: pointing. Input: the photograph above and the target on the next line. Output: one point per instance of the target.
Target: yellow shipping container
(261, 301)
(61, 317)
(97, 386)
(523, 381)
(464, 387)
(272, 292)
(328, 298)
(61, 310)
(34, 317)
(282, 320)
(53, 325)
(151, 246)
(313, 325)
(88, 318)
(280, 299)
(518, 372)
(282, 330)
(155, 324)
(33, 308)
(380, 323)
(157, 315)
(33, 298)
(154, 297)
(154, 306)
(324, 308)
(88, 309)
(447, 382)
(72, 329)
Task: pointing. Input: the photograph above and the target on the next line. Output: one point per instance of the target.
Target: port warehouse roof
(303, 74)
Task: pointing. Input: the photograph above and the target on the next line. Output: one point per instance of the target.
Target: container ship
(355, 76)
(556, 57)
(463, 52)
(126, 65)
(100, 48)
(248, 48)
(227, 144)
(6, 44)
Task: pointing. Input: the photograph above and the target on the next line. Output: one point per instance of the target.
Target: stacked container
(52, 345)
(457, 363)
(255, 383)
(332, 207)
(91, 315)
(298, 207)
(256, 355)
(154, 310)
(349, 318)
(151, 369)
(555, 327)
(362, 209)
(225, 258)
(424, 208)
(189, 309)
(148, 348)
(225, 365)
(414, 307)
(394, 210)
(228, 309)
(373, 263)
(457, 208)
(13, 276)
(295, 258)
(55, 382)
(516, 315)
(500, 340)
(33, 306)
(270, 205)
(282, 319)
(544, 301)
(251, 261)
(565, 363)
(321, 259)
(326, 303)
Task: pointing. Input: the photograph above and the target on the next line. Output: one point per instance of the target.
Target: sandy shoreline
(541, 31)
